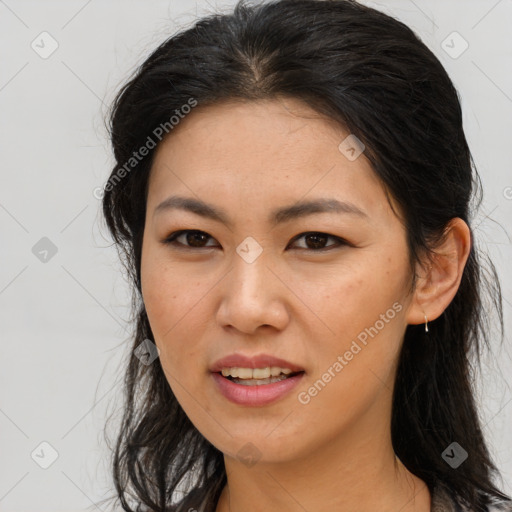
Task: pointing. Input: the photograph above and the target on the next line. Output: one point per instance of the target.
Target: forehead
(266, 151)
(254, 126)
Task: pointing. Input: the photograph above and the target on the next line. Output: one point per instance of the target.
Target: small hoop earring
(426, 322)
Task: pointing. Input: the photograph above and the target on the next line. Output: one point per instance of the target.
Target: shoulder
(444, 500)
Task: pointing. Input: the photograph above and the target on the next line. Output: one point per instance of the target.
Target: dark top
(445, 501)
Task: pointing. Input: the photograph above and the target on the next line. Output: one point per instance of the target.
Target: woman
(292, 195)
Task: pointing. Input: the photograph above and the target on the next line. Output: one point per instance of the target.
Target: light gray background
(64, 323)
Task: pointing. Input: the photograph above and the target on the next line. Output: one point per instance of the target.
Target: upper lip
(258, 361)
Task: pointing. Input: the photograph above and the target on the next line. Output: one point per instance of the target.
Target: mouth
(257, 376)
(255, 381)
(256, 392)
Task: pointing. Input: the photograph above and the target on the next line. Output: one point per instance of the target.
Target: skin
(307, 307)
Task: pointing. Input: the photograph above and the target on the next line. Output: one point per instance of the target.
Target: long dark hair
(373, 75)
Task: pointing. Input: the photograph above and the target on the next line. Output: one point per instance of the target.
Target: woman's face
(332, 303)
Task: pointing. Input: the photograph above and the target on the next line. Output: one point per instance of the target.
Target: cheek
(174, 302)
(364, 305)
(355, 363)
(168, 293)
(352, 297)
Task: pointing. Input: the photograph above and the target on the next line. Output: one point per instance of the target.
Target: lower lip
(255, 395)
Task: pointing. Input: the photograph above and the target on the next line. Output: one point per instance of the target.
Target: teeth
(259, 382)
(256, 373)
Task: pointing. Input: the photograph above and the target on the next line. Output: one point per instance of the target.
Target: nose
(252, 297)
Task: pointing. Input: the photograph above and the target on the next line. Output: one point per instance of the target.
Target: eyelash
(171, 240)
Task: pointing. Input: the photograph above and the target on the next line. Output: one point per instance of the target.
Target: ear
(438, 282)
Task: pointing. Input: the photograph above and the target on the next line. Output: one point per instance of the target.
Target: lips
(258, 361)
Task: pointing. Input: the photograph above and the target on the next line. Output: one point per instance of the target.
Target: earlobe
(439, 281)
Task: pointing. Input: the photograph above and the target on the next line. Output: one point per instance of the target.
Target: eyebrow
(277, 216)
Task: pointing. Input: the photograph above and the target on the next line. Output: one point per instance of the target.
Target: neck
(359, 472)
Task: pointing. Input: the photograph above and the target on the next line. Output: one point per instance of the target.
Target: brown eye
(191, 238)
(316, 241)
